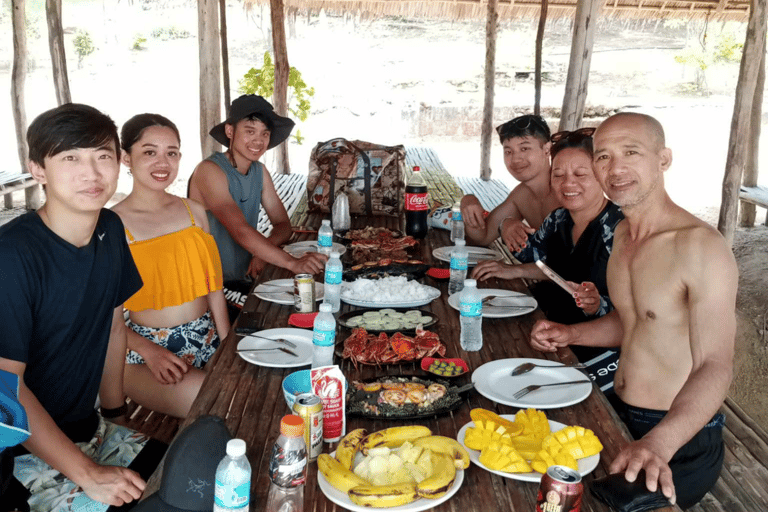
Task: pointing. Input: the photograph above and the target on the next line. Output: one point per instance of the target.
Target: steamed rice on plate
(386, 290)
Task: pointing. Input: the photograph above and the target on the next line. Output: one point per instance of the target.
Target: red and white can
(560, 490)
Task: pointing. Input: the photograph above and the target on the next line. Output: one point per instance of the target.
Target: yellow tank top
(176, 268)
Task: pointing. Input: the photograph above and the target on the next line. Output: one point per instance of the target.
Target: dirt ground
(371, 76)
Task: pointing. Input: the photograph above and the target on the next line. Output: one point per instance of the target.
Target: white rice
(386, 290)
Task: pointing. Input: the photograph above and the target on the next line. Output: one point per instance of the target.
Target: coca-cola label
(416, 202)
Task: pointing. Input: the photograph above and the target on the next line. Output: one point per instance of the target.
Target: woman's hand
(165, 366)
(586, 296)
(487, 269)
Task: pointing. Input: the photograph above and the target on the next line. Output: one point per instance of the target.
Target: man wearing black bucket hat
(234, 185)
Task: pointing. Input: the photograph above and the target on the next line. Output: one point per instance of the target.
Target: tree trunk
(210, 72)
(578, 68)
(486, 130)
(225, 55)
(748, 211)
(18, 77)
(752, 57)
(539, 45)
(282, 68)
(58, 53)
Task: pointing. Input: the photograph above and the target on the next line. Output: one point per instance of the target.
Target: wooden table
(250, 397)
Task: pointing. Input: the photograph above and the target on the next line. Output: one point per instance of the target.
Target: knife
(283, 349)
(278, 340)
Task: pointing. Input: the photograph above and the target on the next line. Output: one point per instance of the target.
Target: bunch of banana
(392, 437)
(447, 446)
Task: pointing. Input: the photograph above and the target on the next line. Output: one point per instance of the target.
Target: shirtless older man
(673, 281)
(526, 144)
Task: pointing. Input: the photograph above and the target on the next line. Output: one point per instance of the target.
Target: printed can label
(471, 308)
(416, 202)
(232, 497)
(333, 277)
(324, 338)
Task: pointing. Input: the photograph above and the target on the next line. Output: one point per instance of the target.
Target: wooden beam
(752, 57)
(18, 77)
(282, 69)
(58, 53)
(748, 212)
(225, 55)
(576, 84)
(486, 130)
(210, 73)
(539, 51)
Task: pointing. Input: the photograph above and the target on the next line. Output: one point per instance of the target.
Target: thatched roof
(736, 10)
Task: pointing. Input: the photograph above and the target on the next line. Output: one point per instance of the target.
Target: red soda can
(560, 490)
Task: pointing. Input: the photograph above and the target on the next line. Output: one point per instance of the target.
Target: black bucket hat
(189, 473)
(247, 105)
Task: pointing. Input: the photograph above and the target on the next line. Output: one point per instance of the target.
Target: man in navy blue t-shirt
(65, 272)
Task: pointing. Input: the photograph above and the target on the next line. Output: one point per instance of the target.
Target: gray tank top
(246, 192)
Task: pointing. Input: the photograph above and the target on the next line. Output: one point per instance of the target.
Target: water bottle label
(332, 276)
(232, 497)
(325, 240)
(416, 202)
(471, 308)
(324, 338)
(458, 263)
(456, 215)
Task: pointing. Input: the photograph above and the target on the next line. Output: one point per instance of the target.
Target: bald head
(650, 125)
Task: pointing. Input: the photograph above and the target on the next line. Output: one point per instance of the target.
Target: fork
(533, 387)
(278, 340)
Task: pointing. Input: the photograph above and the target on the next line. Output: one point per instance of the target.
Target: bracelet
(113, 413)
(501, 224)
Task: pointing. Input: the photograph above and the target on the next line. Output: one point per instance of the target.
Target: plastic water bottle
(323, 337)
(325, 238)
(233, 480)
(459, 258)
(332, 286)
(471, 311)
(341, 220)
(457, 223)
(288, 467)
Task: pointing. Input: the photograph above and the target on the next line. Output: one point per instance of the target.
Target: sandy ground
(369, 76)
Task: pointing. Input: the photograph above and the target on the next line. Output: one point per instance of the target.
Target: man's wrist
(109, 413)
(501, 225)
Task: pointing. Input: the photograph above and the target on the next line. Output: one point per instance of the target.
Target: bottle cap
(292, 426)
(470, 282)
(325, 307)
(416, 168)
(459, 242)
(326, 222)
(335, 254)
(235, 447)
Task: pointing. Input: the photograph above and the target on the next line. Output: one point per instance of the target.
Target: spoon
(526, 367)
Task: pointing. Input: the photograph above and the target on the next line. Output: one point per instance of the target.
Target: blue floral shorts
(194, 342)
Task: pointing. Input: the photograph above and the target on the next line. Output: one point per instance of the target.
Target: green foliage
(83, 46)
(722, 49)
(172, 32)
(261, 81)
(138, 42)
(728, 49)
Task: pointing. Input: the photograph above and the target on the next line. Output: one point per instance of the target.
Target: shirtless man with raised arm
(526, 144)
(673, 280)
(233, 185)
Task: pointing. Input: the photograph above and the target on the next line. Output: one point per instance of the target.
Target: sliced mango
(552, 456)
(484, 433)
(512, 428)
(533, 422)
(578, 441)
(502, 457)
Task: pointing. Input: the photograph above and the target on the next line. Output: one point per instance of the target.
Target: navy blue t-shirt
(56, 307)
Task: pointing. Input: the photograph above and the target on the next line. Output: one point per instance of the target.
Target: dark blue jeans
(695, 466)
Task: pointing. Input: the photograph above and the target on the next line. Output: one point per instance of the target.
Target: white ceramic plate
(476, 254)
(281, 291)
(493, 381)
(586, 465)
(507, 303)
(343, 500)
(433, 294)
(300, 248)
(302, 338)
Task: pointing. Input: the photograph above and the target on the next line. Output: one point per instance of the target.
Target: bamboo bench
(11, 182)
(755, 195)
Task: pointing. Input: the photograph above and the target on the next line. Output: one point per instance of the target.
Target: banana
(448, 446)
(347, 449)
(442, 477)
(392, 437)
(381, 496)
(337, 475)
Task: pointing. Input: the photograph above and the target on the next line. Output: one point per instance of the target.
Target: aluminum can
(310, 408)
(560, 490)
(304, 293)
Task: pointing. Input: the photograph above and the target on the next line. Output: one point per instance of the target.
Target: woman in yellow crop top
(177, 319)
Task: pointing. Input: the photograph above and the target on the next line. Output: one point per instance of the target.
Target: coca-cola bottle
(416, 205)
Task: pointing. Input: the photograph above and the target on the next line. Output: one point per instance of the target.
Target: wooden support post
(225, 55)
(486, 130)
(210, 73)
(575, 96)
(18, 78)
(748, 211)
(58, 53)
(539, 50)
(752, 57)
(282, 68)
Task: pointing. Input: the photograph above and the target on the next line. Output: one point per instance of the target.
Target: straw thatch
(720, 10)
